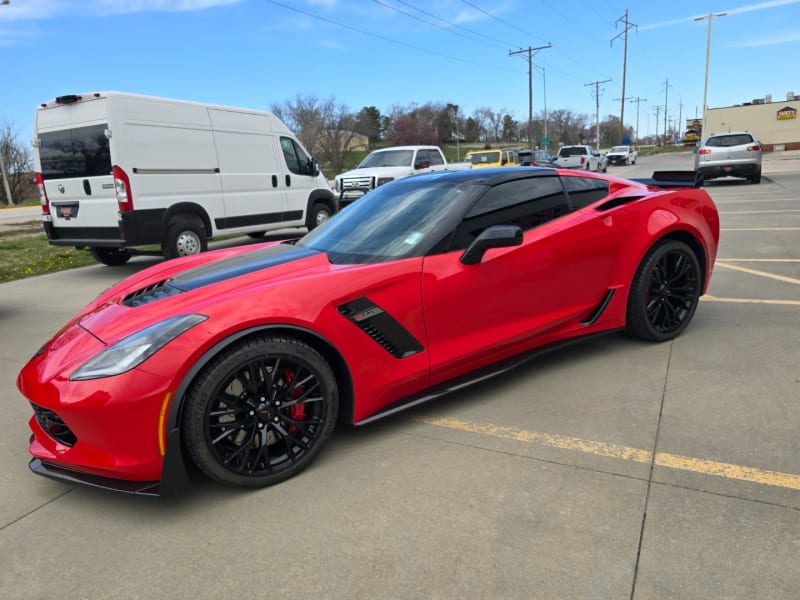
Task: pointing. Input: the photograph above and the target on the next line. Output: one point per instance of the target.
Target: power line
(499, 20)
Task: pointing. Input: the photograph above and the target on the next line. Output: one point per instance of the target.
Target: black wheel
(113, 257)
(256, 235)
(664, 292)
(260, 411)
(186, 235)
(756, 178)
(318, 214)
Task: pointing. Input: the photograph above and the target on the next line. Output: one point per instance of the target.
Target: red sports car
(241, 360)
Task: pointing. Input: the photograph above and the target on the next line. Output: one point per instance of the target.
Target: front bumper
(64, 475)
(723, 170)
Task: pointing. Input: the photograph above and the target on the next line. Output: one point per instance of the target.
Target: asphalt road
(613, 469)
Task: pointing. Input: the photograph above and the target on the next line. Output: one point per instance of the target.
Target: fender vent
(381, 327)
(54, 426)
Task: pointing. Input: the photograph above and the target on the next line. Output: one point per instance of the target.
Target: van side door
(299, 179)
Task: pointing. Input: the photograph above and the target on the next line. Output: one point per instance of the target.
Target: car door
(299, 178)
(515, 297)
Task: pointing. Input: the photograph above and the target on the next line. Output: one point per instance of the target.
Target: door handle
(274, 181)
(288, 181)
(87, 187)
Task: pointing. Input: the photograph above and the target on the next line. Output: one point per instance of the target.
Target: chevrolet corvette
(239, 362)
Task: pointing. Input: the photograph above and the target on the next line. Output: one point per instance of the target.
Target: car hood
(189, 287)
(376, 172)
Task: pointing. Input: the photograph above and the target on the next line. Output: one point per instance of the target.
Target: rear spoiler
(668, 179)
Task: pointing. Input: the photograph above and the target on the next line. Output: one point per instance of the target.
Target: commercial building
(774, 122)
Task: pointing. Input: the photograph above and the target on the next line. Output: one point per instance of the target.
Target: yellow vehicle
(492, 158)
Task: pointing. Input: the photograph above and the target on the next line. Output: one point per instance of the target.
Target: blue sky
(253, 53)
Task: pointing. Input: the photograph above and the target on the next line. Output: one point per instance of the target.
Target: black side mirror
(497, 236)
(313, 167)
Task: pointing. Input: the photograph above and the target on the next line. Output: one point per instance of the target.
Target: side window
(297, 160)
(583, 191)
(435, 158)
(422, 156)
(526, 203)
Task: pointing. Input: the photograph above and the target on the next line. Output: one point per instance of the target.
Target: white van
(116, 171)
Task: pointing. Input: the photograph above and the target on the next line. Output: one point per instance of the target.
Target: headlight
(135, 349)
(382, 180)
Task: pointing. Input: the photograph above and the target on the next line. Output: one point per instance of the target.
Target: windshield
(619, 149)
(403, 219)
(483, 158)
(388, 158)
(572, 151)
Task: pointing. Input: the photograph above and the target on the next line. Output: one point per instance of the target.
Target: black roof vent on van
(67, 99)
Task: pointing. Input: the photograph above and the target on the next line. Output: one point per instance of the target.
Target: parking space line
(766, 260)
(759, 273)
(710, 298)
(662, 459)
(758, 212)
(761, 229)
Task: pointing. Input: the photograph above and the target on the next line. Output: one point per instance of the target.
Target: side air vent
(614, 202)
(151, 293)
(381, 327)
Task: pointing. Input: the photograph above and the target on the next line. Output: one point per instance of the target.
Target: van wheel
(113, 257)
(256, 235)
(186, 235)
(318, 214)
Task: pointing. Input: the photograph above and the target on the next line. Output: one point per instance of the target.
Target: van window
(298, 161)
(78, 152)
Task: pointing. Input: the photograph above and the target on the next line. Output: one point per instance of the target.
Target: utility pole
(596, 94)
(544, 95)
(680, 116)
(657, 109)
(531, 52)
(624, 33)
(666, 97)
(628, 99)
(638, 100)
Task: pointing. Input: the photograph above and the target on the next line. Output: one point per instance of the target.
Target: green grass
(30, 256)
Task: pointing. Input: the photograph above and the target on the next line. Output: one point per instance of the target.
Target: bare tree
(303, 116)
(18, 164)
(338, 137)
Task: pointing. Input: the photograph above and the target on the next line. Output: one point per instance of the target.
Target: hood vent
(156, 291)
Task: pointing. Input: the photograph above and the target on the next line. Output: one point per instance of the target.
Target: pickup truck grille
(357, 184)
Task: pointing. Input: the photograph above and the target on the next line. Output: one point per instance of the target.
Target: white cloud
(772, 40)
(735, 11)
(44, 9)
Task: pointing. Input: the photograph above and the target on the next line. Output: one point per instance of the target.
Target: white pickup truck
(622, 155)
(577, 157)
(385, 165)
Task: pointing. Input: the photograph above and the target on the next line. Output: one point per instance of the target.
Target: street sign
(545, 142)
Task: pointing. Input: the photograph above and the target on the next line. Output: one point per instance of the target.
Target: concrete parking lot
(612, 469)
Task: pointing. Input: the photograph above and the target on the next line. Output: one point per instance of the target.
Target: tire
(113, 257)
(186, 235)
(756, 178)
(260, 411)
(664, 292)
(256, 235)
(318, 214)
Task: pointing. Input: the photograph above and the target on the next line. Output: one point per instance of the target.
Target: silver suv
(736, 153)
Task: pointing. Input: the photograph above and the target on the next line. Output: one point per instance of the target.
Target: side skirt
(474, 377)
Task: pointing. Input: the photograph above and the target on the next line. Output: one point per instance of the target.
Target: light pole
(710, 17)
(3, 171)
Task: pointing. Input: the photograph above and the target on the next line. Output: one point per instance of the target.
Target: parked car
(735, 154)
(577, 157)
(492, 158)
(536, 158)
(119, 171)
(602, 162)
(385, 165)
(243, 359)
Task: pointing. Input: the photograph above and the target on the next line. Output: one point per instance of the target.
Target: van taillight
(704, 151)
(42, 194)
(583, 159)
(122, 188)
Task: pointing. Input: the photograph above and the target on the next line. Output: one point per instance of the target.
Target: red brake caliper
(298, 411)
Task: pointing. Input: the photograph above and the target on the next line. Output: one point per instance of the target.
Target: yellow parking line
(710, 298)
(759, 273)
(662, 459)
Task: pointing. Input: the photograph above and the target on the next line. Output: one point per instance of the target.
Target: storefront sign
(787, 113)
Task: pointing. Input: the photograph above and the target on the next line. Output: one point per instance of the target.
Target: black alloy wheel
(260, 411)
(665, 292)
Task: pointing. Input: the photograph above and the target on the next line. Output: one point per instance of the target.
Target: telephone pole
(544, 96)
(530, 52)
(638, 100)
(624, 32)
(666, 104)
(596, 94)
(657, 110)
